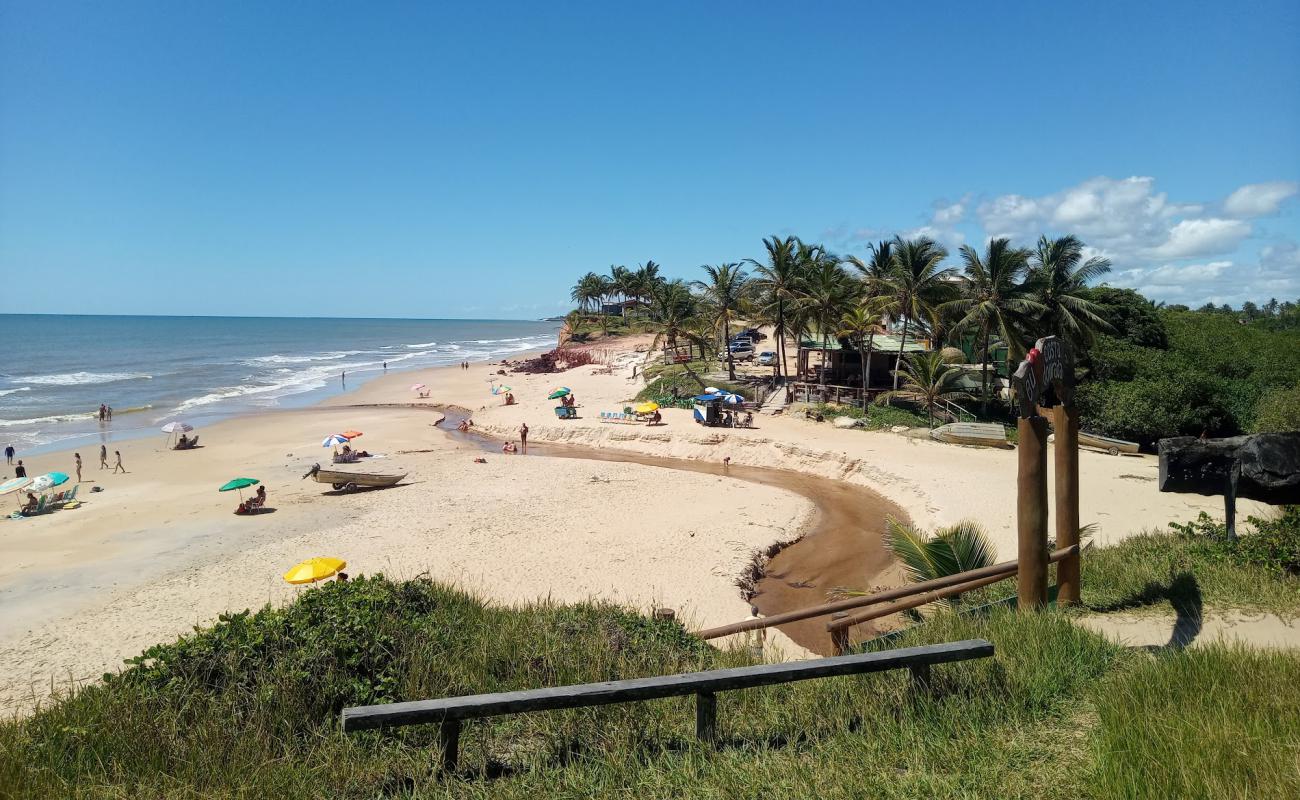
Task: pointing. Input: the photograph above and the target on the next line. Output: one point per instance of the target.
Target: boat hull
(975, 434)
(339, 479)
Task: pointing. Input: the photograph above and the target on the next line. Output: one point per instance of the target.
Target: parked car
(767, 358)
(741, 352)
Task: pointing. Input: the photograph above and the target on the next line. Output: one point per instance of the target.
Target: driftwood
(1263, 467)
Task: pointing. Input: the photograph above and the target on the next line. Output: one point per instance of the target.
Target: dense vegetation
(249, 707)
(1146, 371)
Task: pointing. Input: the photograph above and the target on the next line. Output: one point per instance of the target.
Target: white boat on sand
(979, 434)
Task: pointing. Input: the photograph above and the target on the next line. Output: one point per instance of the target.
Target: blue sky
(471, 159)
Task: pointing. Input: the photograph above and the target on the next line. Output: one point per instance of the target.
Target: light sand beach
(159, 550)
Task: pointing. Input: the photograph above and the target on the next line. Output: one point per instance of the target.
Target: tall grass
(1213, 722)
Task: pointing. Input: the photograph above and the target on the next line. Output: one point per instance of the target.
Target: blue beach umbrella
(334, 439)
(49, 480)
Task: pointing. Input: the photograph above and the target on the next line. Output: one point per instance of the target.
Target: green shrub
(1278, 411)
(1274, 544)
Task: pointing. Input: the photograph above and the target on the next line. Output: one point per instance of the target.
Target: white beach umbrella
(334, 439)
(14, 484)
(177, 427)
(711, 390)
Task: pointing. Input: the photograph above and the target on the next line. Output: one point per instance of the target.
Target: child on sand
(118, 465)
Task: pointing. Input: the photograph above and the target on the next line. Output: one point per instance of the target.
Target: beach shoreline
(159, 551)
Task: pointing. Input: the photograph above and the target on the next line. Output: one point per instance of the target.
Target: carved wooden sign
(1045, 378)
(1264, 467)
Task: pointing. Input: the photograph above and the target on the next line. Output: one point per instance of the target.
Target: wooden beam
(1031, 512)
(1066, 463)
(636, 689)
(706, 717)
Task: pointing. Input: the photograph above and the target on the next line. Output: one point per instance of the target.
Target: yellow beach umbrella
(314, 569)
(647, 408)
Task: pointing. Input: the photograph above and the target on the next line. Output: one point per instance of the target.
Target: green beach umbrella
(558, 393)
(239, 484)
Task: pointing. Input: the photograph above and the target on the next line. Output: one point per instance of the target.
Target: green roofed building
(843, 365)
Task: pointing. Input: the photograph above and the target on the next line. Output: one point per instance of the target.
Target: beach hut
(709, 408)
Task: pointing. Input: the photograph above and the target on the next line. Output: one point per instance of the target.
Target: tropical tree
(589, 291)
(622, 282)
(724, 294)
(994, 301)
(948, 551)
(778, 283)
(825, 295)
(674, 316)
(1058, 280)
(928, 382)
(859, 324)
(644, 279)
(877, 272)
(920, 285)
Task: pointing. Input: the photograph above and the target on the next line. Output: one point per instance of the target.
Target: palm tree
(1058, 276)
(778, 283)
(622, 281)
(877, 273)
(858, 325)
(948, 551)
(673, 315)
(993, 300)
(920, 284)
(645, 278)
(825, 295)
(928, 382)
(588, 291)
(724, 294)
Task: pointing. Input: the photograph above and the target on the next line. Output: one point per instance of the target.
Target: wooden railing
(929, 591)
(450, 712)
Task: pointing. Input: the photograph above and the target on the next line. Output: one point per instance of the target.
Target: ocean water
(57, 370)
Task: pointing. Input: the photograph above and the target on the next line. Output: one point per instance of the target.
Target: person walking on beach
(20, 471)
(78, 455)
(103, 456)
(523, 437)
(118, 465)
(9, 454)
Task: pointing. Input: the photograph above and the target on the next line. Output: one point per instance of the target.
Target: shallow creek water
(843, 545)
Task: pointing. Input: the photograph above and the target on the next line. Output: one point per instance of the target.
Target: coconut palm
(777, 283)
(589, 291)
(724, 293)
(927, 381)
(948, 551)
(674, 316)
(876, 273)
(858, 325)
(993, 300)
(622, 282)
(920, 285)
(826, 294)
(1058, 278)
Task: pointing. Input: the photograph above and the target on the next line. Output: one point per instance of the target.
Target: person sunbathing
(32, 503)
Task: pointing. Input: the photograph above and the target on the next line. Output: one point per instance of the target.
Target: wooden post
(706, 717)
(840, 638)
(1230, 499)
(449, 740)
(920, 677)
(1031, 512)
(1067, 501)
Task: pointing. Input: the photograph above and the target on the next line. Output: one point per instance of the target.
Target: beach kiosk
(711, 407)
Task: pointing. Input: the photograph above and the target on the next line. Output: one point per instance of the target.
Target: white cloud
(1259, 199)
(1282, 258)
(1190, 238)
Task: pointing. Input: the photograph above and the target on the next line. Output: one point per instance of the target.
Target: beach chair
(70, 498)
(57, 499)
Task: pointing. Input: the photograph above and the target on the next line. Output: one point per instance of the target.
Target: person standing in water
(78, 455)
(523, 437)
(385, 366)
(118, 465)
(103, 456)
(343, 378)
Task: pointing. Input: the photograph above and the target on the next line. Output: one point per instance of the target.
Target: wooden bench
(450, 711)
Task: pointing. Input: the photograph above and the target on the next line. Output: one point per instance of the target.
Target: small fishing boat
(351, 481)
(979, 434)
(1106, 443)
